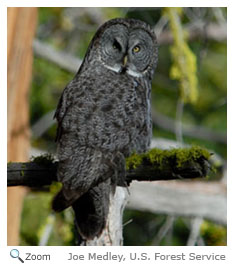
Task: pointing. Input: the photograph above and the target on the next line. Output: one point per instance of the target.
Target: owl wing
(84, 152)
(99, 122)
(61, 109)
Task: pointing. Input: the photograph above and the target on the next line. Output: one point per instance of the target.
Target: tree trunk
(112, 234)
(21, 24)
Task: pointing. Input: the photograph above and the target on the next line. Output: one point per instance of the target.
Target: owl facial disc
(126, 49)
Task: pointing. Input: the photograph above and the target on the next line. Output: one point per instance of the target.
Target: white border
(120, 3)
(60, 253)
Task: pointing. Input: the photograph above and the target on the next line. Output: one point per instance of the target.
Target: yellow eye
(136, 49)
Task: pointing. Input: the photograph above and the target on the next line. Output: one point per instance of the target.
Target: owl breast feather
(109, 112)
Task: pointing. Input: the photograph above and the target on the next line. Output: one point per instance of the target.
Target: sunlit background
(193, 115)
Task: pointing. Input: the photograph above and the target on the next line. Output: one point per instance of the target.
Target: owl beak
(125, 60)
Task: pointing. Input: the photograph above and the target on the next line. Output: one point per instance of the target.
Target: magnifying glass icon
(16, 254)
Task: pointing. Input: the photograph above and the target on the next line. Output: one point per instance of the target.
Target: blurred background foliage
(70, 30)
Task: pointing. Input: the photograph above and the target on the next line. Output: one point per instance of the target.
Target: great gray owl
(103, 116)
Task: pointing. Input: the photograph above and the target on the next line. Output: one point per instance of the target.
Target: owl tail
(91, 211)
(64, 199)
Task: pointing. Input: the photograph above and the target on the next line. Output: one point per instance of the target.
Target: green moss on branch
(173, 160)
(45, 159)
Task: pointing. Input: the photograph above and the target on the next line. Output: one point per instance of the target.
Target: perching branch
(189, 199)
(31, 174)
(152, 166)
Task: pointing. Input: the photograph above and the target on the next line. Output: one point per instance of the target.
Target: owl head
(125, 46)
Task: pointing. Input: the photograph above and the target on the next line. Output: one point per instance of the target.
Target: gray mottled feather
(103, 116)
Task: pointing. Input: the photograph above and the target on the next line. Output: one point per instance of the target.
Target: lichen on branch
(184, 67)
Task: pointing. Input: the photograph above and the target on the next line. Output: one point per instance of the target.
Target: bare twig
(158, 29)
(188, 199)
(178, 121)
(216, 32)
(62, 59)
(200, 132)
(164, 230)
(43, 124)
(47, 230)
(195, 231)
